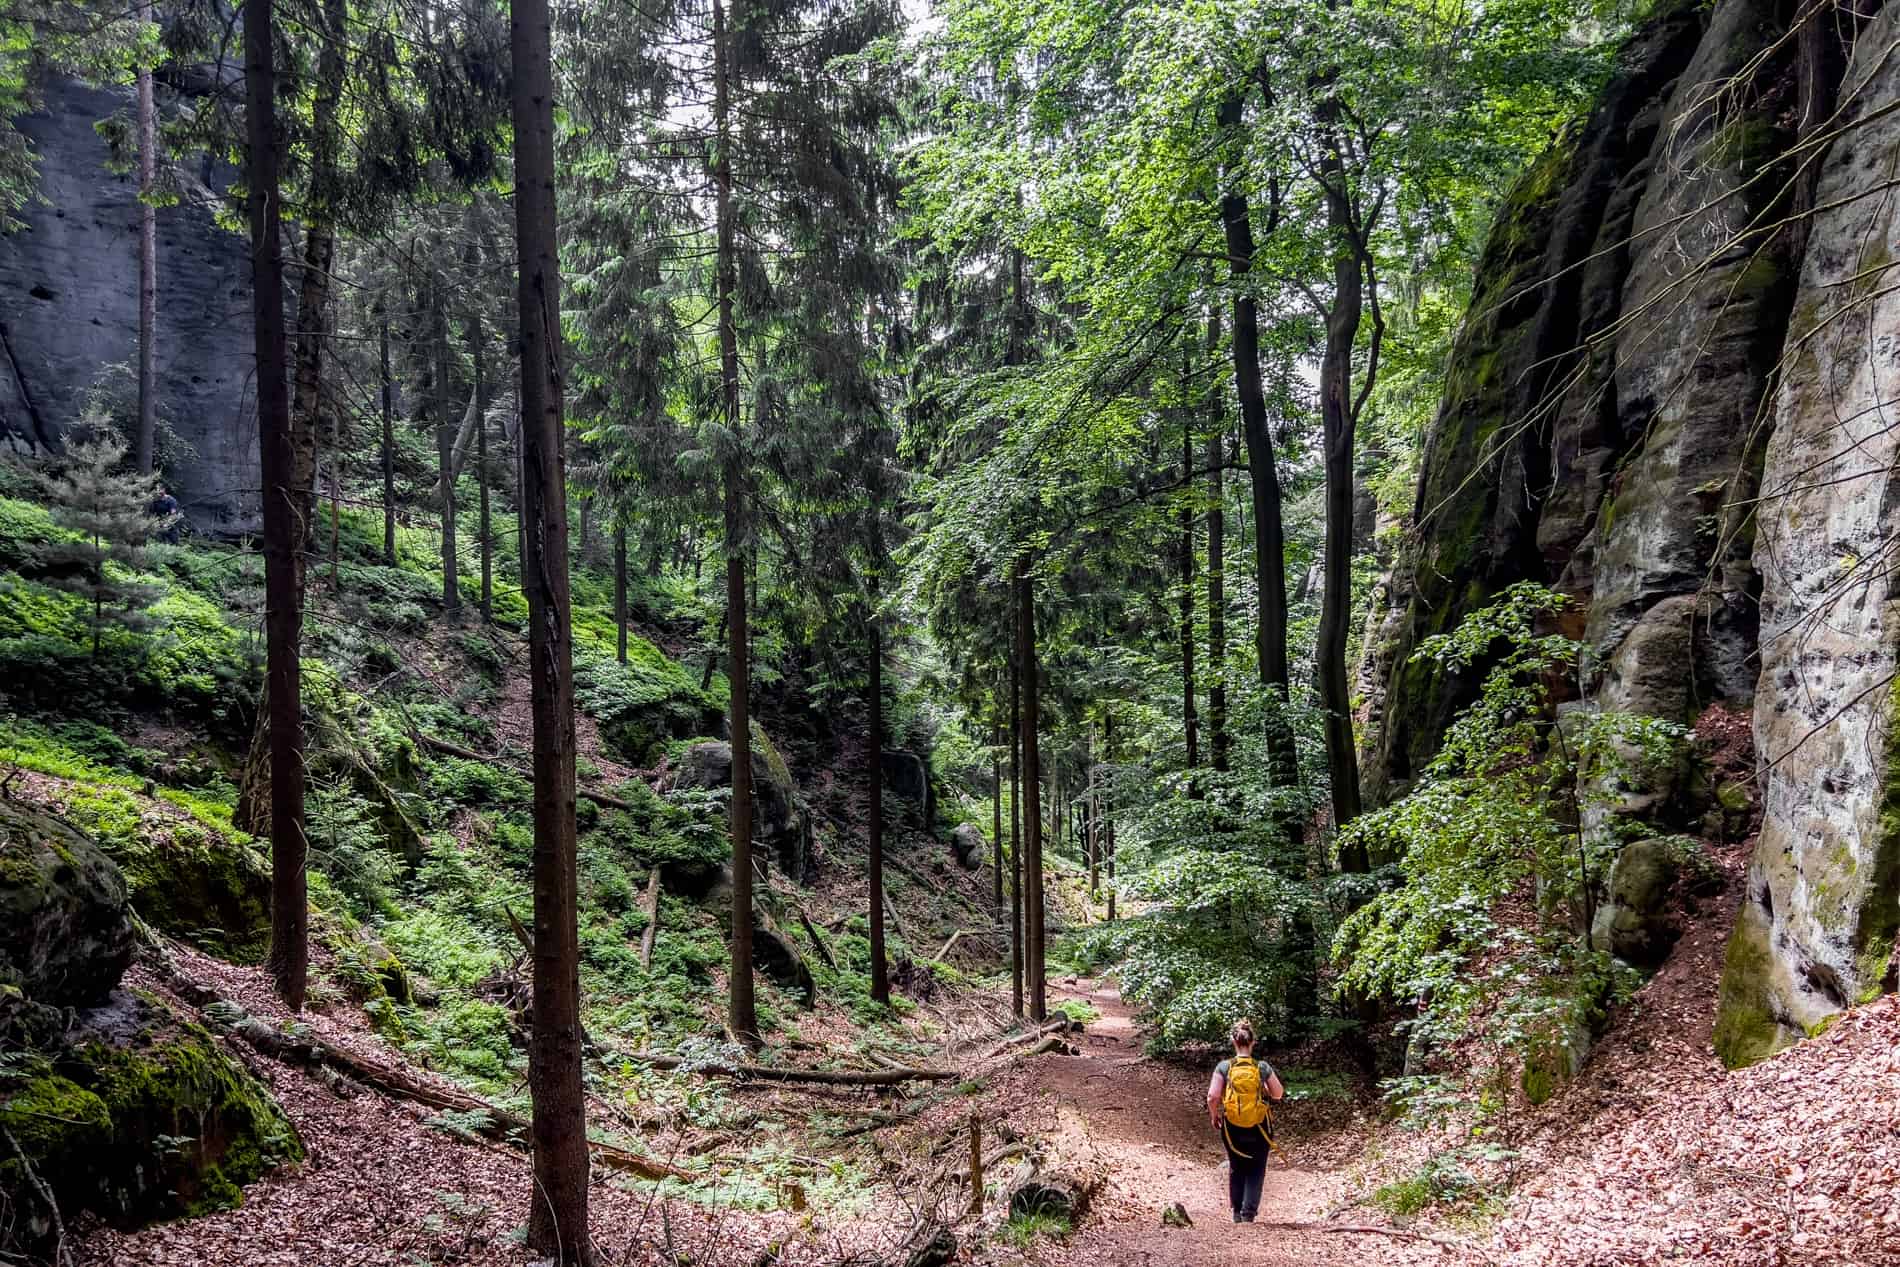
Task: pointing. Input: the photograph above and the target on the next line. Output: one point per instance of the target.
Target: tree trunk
(874, 774)
(996, 814)
(1108, 814)
(319, 251)
(283, 598)
(1032, 794)
(1088, 825)
(744, 1012)
(712, 654)
(1016, 958)
(148, 261)
(445, 428)
(1217, 571)
(1269, 533)
(389, 447)
(484, 545)
(1337, 417)
(557, 1205)
(1190, 724)
(620, 593)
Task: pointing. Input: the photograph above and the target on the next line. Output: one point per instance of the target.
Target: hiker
(1237, 1104)
(164, 508)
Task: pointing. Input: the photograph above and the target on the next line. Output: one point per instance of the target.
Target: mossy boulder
(1633, 922)
(64, 937)
(142, 1117)
(203, 887)
(779, 823)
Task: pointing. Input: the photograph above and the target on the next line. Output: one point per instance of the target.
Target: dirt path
(1145, 1122)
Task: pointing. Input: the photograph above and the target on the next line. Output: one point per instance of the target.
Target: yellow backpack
(1245, 1102)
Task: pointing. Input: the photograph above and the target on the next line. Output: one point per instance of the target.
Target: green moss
(191, 1127)
(1746, 1029)
(1732, 797)
(1823, 1025)
(1879, 916)
(763, 745)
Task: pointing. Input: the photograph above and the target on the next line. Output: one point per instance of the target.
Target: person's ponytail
(1243, 1033)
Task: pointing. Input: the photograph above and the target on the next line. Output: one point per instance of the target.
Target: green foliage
(1500, 814)
(1024, 1230)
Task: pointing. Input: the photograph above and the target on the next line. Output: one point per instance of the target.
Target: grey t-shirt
(1266, 1071)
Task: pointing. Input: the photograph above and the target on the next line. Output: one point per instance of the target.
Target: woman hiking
(1237, 1105)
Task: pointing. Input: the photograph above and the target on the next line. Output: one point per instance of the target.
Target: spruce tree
(109, 511)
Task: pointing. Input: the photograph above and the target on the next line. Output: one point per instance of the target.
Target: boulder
(774, 954)
(142, 1116)
(199, 886)
(780, 825)
(967, 842)
(65, 939)
(907, 775)
(1633, 923)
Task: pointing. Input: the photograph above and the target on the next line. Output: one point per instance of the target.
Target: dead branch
(827, 1077)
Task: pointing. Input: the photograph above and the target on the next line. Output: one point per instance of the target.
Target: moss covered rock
(1633, 922)
(64, 937)
(201, 886)
(1748, 1023)
(143, 1117)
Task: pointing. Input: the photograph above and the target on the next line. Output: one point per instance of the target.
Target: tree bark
(1016, 959)
(620, 592)
(147, 443)
(319, 243)
(1269, 532)
(557, 1206)
(1032, 795)
(874, 775)
(1217, 570)
(1338, 418)
(743, 1010)
(283, 596)
(996, 814)
(445, 428)
(1108, 815)
(484, 545)
(1190, 723)
(389, 445)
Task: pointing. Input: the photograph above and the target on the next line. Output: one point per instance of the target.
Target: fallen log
(651, 907)
(1372, 1229)
(811, 931)
(827, 1077)
(389, 1080)
(448, 749)
(1029, 1035)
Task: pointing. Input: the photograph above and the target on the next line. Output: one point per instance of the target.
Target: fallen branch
(828, 1077)
(811, 931)
(1369, 1229)
(62, 1252)
(942, 955)
(501, 1126)
(1029, 1035)
(448, 749)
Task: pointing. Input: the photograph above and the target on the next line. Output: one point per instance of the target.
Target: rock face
(64, 937)
(908, 776)
(1817, 931)
(779, 823)
(69, 309)
(1668, 401)
(122, 1107)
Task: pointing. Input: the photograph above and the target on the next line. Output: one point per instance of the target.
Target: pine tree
(110, 512)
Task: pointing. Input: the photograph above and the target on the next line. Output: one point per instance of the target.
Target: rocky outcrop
(780, 824)
(1668, 402)
(69, 310)
(907, 775)
(121, 1107)
(1817, 930)
(64, 936)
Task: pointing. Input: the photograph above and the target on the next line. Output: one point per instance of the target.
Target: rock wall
(1816, 932)
(1668, 402)
(69, 309)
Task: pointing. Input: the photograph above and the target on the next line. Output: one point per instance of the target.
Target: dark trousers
(1247, 1152)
